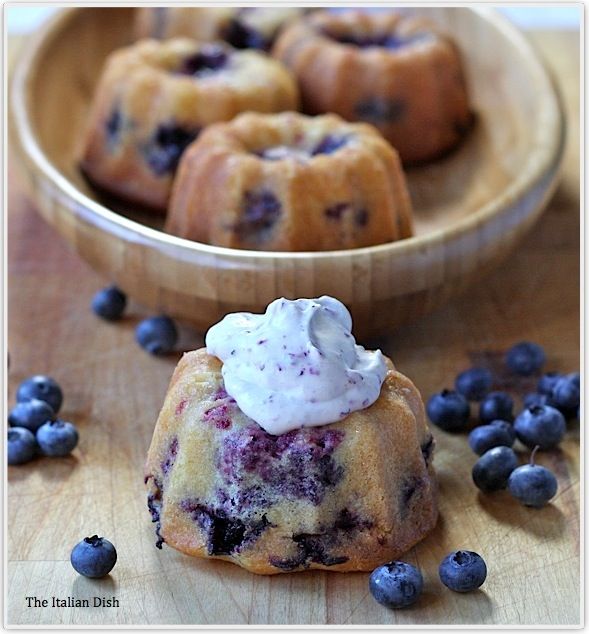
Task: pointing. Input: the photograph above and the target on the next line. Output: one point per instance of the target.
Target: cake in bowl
(284, 446)
(242, 27)
(152, 100)
(399, 73)
(289, 182)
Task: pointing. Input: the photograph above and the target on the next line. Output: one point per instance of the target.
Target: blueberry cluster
(399, 584)
(158, 335)
(540, 425)
(34, 428)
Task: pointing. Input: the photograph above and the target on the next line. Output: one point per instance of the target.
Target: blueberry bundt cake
(399, 73)
(287, 182)
(275, 496)
(154, 97)
(242, 27)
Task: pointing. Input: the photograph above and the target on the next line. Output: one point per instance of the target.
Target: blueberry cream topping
(297, 365)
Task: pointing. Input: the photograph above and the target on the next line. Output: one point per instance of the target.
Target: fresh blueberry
(109, 303)
(532, 484)
(525, 358)
(157, 335)
(42, 387)
(396, 584)
(21, 445)
(496, 406)
(499, 433)
(463, 571)
(540, 425)
(566, 393)
(534, 398)
(547, 381)
(448, 410)
(57, 438)
(30, 414)
(492, 470)
(474, 384)
(94, 557)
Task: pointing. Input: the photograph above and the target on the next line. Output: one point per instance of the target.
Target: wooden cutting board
(113, 391)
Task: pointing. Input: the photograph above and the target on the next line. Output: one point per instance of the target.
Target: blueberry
(525, 358)
(242, 36)
(474, 384)
(540, 425)
(492, 470)
(164, 149)
(496, 434)
(329, 144)
(566, 393)
(93, 557)
(157, 335)
(209, 59)
(109, 303)
(57, 438)
(42, 387)
(547, 381)
(448, 410)
(21, 445)
(534, 398)
(496, 406)
(532, 484)
(396, 584)
(260, 212)
(463, 571)
(30, 414)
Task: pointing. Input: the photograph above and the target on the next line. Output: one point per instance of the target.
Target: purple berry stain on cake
(409, 493)
(225, 534)
(322, 547)
(154, 504)
(170, 458)
(220, 414)
(241, 36)
(260, 212)
(329, 144)
(340, 210)
(295, 465)
(181, 406)
(380, 110)
(206, 61)
(165, 148)
(114, 127)
(391, 41)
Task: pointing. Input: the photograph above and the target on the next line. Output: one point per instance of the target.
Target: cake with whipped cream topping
(283, 446)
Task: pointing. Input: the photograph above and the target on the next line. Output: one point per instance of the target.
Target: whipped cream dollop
(297, 365)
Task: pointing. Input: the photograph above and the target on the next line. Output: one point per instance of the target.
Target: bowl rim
(547, 140)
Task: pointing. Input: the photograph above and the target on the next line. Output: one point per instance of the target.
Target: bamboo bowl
(471, 208)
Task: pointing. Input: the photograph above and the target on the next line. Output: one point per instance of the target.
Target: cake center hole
(391, 41)
(205, 62)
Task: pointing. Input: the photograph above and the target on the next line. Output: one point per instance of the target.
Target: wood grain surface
(113, 391)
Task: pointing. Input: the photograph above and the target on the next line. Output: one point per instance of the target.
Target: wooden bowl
(471, 208)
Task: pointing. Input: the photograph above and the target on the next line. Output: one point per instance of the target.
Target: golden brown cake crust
(415, 94)
(353, 197)
(346, 496)
(144, 106)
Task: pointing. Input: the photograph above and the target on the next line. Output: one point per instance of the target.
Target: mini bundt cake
(344, 496)
(242, 27)
(154, 97)
(399, 73)
(287, 182)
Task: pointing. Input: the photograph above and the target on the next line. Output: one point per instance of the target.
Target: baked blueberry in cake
(153, 99)
(401, 74)
(242, 27)
(288, 182)
(283, 446)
